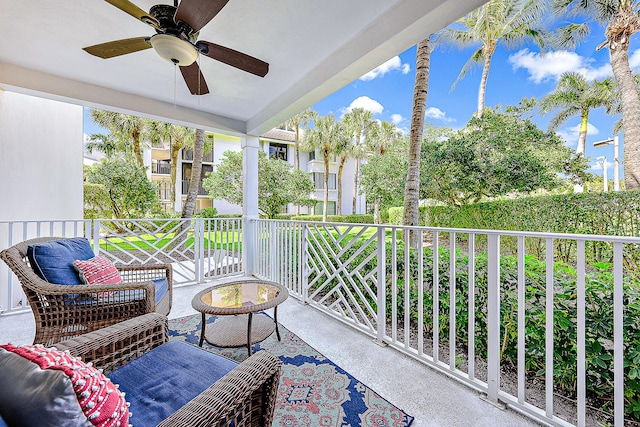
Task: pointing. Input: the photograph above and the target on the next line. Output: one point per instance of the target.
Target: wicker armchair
(245, 396)
(60, 313)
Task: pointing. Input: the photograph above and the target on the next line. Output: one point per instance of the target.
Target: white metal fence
(548, 324)
(198, 249)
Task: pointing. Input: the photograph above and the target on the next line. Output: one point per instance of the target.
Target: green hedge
(352, 219)
(587, 213)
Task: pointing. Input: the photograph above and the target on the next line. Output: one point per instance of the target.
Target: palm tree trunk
(355, 183)
(137, 151)
(196, 171)
(297, 157)
(630, 112)
(343, 159)
(412, 185)
(582, 144)
(175, 148)
(376, 211)
(582, 136)
(325, 197)
(194, 183)
(489, 49)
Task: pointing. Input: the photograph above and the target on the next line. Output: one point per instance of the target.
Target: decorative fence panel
(12, 298)
(198, 249)
(548, 324)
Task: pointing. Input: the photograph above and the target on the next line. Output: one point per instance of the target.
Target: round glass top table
(235, 303)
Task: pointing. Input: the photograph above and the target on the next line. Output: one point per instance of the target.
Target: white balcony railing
(548, 324)
(198, 249)
(549, 358)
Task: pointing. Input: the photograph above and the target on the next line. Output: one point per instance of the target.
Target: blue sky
(521, 72)
(387, 91)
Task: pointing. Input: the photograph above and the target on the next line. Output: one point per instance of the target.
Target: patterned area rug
(313, 390)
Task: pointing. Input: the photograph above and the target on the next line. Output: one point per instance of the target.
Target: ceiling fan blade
(194, 79)
(198, 13)
(133, 10)
(118, 47)
(234, 58)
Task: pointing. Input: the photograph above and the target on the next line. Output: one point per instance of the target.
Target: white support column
(250, 146)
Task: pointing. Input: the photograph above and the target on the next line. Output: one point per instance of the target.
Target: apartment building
(277, 143)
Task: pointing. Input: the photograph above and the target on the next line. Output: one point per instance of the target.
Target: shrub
(208, 213)
(352, 219)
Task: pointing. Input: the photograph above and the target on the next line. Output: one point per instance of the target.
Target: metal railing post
(304, 255)
(493, 318)
(96, 236)
(381, 282)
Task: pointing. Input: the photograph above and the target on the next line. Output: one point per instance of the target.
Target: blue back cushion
(163, 380)
(162, 286)
(53, 260)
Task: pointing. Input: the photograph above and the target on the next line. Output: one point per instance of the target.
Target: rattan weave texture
(57, 316)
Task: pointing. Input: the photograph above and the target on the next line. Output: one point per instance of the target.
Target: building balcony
(185, 188)
(161, 168)
(188, 156)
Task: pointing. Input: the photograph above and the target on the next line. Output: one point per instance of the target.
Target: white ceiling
(314, 47)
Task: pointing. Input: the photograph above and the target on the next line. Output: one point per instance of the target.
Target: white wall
(41, 162)
(41, 158)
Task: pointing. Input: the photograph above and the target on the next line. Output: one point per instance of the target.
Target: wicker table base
(239, 306)
(224, 331)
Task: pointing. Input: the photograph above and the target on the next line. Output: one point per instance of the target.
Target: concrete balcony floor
(432, 398)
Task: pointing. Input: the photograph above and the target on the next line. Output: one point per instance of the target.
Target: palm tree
(179, 137)
(107, 144)
(124, 126)
(328, 136)
(420, 90)
(508, 21)
(575, 95)
(622, 21)
(303, 118)
(379, 139)
(358, 122)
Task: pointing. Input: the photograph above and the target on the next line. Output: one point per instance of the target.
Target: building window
(318, 180)
(312, 155)
(278, 151)
(331, 208)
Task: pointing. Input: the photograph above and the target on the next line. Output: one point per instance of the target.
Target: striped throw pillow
(97, 270)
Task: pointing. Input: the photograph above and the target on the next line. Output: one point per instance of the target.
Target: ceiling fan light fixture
(174, 49)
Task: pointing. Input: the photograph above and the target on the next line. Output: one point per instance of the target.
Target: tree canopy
(278, 183)
(130, 193)
(495, 155)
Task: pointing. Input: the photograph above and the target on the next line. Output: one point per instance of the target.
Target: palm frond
(475, 59)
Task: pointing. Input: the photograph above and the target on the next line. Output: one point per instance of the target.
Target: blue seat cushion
(53, 260)
(163, 380)
(162, 286)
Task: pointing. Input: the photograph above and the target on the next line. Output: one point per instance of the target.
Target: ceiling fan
(176, 40)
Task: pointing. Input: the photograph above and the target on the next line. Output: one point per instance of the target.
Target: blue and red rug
(313, 391)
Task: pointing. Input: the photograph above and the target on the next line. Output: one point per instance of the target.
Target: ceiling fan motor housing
(174, 42)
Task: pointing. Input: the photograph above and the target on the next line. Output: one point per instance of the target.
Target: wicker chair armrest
(143, 273)
(113, 346)
(245, 396)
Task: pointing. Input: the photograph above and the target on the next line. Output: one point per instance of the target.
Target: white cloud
(365, 103)
(393, 64)
(570, 134)
(396, 118)
(437, 114)
(547, 66)
(550, 66)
